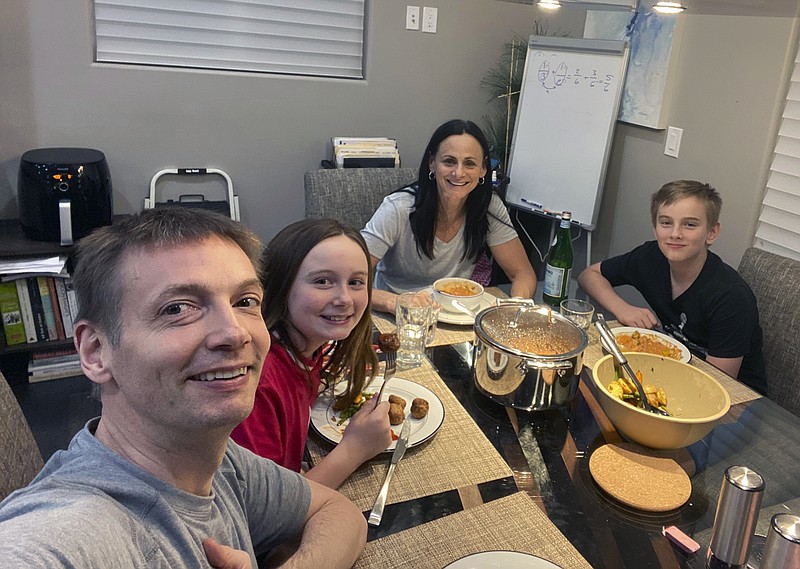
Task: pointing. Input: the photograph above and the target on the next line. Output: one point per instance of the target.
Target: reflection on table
(498, 478)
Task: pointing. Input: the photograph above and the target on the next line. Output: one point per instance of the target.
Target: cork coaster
(640, 478)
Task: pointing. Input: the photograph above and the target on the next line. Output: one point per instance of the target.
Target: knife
(377, 509)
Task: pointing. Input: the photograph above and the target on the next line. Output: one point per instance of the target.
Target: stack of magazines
(55, 364)
(376, 152)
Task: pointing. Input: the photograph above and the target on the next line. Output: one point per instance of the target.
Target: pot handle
(542, 364)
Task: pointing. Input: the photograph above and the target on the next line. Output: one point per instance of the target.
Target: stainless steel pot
(527, 356)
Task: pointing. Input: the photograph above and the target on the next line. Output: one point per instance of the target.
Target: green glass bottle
(559, 264)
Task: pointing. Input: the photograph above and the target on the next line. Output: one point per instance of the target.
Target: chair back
(21, 459)
(775, 280)
(351, 195)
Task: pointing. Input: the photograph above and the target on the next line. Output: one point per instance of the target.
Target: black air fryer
(64, 193)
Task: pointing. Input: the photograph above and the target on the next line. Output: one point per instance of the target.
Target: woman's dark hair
(352, 357)
(426, 201)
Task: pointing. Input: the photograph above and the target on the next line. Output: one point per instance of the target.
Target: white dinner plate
(501, 560)
(447, 317)
(324, 419)
(686, 355)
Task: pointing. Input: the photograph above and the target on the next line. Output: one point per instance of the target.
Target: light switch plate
(429, 17)
(412, 17)
(673, 144)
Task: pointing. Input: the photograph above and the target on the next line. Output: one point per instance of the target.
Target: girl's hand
(369, 432)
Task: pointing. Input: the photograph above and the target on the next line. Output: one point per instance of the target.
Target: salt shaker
(735, 520)
(782, 549)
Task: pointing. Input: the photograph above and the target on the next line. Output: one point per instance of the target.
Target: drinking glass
(579, 312)
(434, 320)
(413, 317)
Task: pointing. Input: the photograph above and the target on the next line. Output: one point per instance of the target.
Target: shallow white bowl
(471, 301)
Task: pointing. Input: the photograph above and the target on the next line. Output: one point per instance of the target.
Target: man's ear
(94, 350)
(713, 233)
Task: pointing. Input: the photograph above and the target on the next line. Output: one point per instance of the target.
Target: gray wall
(266, 131)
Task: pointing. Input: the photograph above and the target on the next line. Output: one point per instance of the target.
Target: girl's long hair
(352, 358)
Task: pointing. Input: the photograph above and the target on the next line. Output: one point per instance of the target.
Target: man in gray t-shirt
(170, 330)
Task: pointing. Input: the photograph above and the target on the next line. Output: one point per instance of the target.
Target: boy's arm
(597, 286)
(728, 365)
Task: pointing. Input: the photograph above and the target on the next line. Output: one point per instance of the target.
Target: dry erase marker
(537, 205)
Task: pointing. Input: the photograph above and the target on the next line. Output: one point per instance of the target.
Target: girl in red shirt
(317, 294)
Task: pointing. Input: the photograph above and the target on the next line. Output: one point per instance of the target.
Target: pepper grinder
(782, 549)
(735, 520)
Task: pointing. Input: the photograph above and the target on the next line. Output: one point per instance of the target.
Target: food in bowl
(697, 402)
(649, 343)
(466, 291)
(624, 389)
(459, 289)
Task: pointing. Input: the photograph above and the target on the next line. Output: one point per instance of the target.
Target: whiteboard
(565, 121)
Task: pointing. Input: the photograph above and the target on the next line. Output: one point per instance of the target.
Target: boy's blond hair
(679, 189)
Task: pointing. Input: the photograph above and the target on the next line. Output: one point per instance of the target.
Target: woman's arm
(382, 300)
(514, 261)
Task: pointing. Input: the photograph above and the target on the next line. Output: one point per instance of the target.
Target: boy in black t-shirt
(696, 297)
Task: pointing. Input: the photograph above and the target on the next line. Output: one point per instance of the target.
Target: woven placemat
(513, 523)
(459, 455)
(738, 392)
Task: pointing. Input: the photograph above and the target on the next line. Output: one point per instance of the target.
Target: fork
(388, 372)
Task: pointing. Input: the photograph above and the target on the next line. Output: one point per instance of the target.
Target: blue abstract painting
(645, 95)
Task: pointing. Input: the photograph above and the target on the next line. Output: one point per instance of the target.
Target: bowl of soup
(466, 291)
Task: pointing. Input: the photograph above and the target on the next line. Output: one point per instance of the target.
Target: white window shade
(308, 37)
(778, 228)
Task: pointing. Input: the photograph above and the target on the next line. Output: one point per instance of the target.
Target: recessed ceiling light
(550, 4)
(669, 7)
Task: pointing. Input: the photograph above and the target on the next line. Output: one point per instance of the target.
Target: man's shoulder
(76, 525)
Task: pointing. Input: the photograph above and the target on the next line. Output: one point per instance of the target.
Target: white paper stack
(375, 152)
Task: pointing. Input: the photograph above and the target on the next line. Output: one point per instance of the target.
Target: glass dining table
(547, 458)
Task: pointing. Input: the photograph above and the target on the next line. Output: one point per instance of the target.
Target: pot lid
(528, 330)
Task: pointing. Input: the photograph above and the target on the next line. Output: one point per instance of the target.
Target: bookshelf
(14, 245)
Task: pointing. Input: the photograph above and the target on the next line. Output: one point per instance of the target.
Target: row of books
(55, 364)
(37, 309)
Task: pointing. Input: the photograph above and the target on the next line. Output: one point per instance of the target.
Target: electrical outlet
(429, 17)
(412, 17)
(673, 144)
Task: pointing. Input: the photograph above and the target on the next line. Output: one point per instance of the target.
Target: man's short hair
(97, 276)
(679, 189)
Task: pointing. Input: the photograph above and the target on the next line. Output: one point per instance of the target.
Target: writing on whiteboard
(554, 73)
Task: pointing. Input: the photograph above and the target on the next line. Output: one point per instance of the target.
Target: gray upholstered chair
(351, 195)
(775, 280)
(21, 459)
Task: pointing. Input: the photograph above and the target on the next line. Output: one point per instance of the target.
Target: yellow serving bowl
(695, 401)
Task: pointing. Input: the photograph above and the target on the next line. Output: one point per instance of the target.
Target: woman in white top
(440, 225)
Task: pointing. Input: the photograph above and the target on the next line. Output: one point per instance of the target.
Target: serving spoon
(610, 343)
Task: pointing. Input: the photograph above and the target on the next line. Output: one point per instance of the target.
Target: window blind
(778, 227)
(308, 37)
